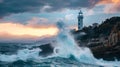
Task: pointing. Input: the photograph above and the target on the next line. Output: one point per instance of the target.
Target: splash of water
(66, 48)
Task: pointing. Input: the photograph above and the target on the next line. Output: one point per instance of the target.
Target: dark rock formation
(107, 53)
(47, 49)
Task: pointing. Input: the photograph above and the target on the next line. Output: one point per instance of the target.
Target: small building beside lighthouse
(80, 20)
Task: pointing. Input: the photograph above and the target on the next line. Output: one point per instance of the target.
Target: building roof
(80, 12)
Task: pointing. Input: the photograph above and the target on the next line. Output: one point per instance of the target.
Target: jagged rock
(46, 49)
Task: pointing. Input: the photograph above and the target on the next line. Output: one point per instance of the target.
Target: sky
(33, 19)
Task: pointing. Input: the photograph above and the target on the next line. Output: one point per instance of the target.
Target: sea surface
(64, 53)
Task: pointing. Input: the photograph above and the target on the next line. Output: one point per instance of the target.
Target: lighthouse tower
(80, 20)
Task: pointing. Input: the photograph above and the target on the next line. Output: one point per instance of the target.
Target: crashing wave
(66, 48)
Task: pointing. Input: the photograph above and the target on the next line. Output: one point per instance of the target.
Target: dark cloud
(8, 7)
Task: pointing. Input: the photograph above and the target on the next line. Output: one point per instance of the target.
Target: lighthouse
(80, 20)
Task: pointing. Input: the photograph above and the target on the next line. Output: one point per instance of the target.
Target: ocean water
(65, 54)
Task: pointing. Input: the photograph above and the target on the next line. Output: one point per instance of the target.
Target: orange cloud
(111, 6)
(25, 30)
(108, 1)
(104, 2)
(115, 1)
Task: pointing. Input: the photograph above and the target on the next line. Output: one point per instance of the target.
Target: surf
(66, 47)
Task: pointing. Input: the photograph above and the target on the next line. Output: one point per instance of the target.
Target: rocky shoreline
(103, 39)
(107, 53)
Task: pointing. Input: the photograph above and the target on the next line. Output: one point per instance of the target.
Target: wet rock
(47, 49)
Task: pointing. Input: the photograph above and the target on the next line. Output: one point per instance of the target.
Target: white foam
(24, 55)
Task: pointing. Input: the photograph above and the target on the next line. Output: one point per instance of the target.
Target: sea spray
(68, 47)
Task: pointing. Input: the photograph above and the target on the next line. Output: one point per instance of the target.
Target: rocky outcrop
(107, 53)
(47, 49)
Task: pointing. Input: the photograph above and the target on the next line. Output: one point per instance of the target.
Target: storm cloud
(8, 7)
